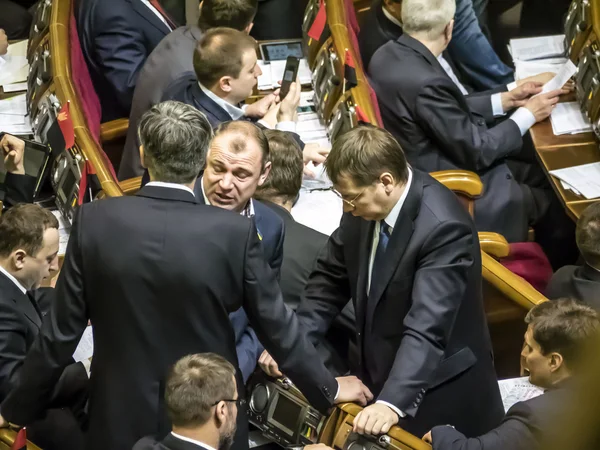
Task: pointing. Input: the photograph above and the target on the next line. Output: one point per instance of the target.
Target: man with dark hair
(557, 338)
(172, 58)
(158, 274)
(28, 255)
(582, 282)
(18, 187)
(407, 253)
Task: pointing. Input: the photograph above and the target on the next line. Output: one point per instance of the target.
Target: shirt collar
(170, 185)
(193, 441)
(234, 112)
(392, 217)
(248, 210)
(13, 279)
(391, 18)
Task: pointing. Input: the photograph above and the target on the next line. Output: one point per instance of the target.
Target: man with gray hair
(157, 274)
(441, 129)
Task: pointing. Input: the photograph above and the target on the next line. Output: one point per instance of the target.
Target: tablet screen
(279, 52)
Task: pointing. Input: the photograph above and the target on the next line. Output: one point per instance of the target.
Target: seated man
(116, 37)
(28, 255)
(557, 334)
(408, 256)
(202, 400)
(18, 187)
(171, 58)
(301, 244)
(582, 282)
(441, 129)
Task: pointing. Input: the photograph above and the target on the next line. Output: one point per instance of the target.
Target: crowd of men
(203, 274)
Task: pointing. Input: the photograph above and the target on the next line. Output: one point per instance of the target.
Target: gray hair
(175, 137)
(427, 16)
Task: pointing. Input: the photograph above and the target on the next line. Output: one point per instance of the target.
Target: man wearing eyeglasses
(407, 253)
(202, 401)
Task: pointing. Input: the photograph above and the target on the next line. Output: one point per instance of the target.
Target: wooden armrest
(513, 286)
(493, 244)
(131, 185)
(109, 131)
(462, 181)
(8, 436)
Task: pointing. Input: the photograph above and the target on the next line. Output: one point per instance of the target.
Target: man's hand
(375, 419)
(3, 42)
(315, 153)
(544, 78)
(289, 105)
(257, 110)
(12, 151)
(268, 365)
(3, 423)
(518, 96)
(427, 438)
(542, 105)
(352, 390)
(317, 447)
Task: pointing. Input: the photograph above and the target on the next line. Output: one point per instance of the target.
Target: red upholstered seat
(528, 260)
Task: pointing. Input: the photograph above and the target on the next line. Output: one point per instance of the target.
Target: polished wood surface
(7, 439)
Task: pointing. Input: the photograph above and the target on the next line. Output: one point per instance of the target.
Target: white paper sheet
(563, 75)
(15, 87)
(85, 348)
(515, 390)
(278, 67)
(584, 178)
(526, 49)
(567, 118)
(524, 69)
(18, 49)
(64, 230)
(14, 105)
(319, 210)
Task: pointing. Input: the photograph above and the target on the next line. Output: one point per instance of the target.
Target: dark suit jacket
(170, 442)
(116, 38)
(523, 426)
(17, 189)
(160, 288)
(422, 335)
(278, 19)
(441, 129)
(579, 282)
(171, 58)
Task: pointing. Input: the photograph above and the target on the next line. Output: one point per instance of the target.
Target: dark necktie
(385, 232)
(163, 13)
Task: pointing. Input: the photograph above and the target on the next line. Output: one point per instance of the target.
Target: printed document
(85, 348)
(526, 49)
(515, 390)
(584, 179)
(567, 118)
(562, 76)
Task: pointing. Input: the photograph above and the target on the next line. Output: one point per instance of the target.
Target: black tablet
(280, 51)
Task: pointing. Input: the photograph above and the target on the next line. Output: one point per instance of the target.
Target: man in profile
(158, 274)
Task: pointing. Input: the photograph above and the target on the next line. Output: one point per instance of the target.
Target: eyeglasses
(350, 203)
(238, 401)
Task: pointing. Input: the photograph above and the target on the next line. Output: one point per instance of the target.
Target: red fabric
(316, 29)
(360, 114)
(65, 122)
(375, 106)
(355, 47)
(163, 13)
(351, 19)
(528, 260)
(88, 170)
(20, 441)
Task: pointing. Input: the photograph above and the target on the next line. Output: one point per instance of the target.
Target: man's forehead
(250, 57)
(234, 147)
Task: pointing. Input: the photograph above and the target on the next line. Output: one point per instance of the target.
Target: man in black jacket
(28, 254)
(158, 274)
(556, 338)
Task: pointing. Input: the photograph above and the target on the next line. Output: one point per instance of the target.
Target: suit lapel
(209, 105)
(149, 16)
(24, 302)
(403, 230)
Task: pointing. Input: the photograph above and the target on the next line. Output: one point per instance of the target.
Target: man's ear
(448, 31)
(18, 258)
(142, 160)
(225, 84)
(556, 361)
(220, 413)
(200, 6)
(265, 173)
(248, 29)
(388, 181)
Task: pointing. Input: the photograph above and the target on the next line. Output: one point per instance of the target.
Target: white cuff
(286, 126)
(389, 405)
(244, 108)
(511, 86)
(87, 365)
(337, 392)
(265, 124)
(497, 109)
(524, 119)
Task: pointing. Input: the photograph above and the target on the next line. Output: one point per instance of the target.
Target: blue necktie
(378, 263)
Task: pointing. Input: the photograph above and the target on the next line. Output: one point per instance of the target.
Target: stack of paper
(516, 390)
(582, 180)
(13, 115)
(567, 118)
(527, 49)
(328, 205)
(14, 68)
(272, 73)
(524, 69)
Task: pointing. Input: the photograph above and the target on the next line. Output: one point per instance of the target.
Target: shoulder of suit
(268, 214)
(148, 443)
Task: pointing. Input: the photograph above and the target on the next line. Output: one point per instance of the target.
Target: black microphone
(335, 80)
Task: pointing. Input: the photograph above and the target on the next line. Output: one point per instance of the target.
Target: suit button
(481, 122)
(415, 405)
(508, 176)
(326, 390)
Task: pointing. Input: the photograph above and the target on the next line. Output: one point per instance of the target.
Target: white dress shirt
(389, 221)
(237, 113)
(171, 186)
(14, 280)
(193, 441)
(156, 13)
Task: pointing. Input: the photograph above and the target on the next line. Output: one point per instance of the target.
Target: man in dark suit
(28, 255)
(116, 37)
(408, 255)
(582, 282)
(171, 58)
(18, 187)
(441, 129)
(279, 19)
(557, 335)
(301, 244)
(158, 289)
